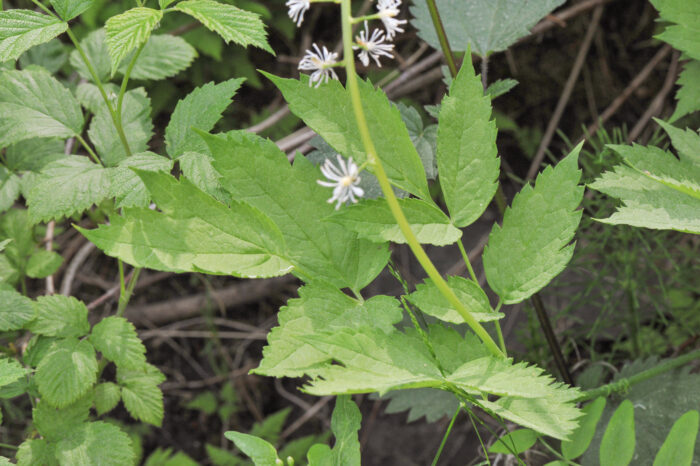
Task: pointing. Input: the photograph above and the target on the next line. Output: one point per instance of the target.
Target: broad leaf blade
(532, 246)
(21, 30)
(688, 95)
(260, 451)
(60, 316)
(116, 338)
(129, 30)
(127, 188)
(466, 148)
(163, 56)
(94, 46)
(11, 371)
(617, 446)
(67, 371)
(96, 443)
(514, 442)
(15, 310)
(581, 438)
(683, 35)
(69, 9)
(140, 393)
(107, 396)
(678, 447)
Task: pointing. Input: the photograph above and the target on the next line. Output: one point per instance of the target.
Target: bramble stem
(393, 203)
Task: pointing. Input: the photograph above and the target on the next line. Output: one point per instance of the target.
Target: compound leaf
(60, 316)
(117, 340)
(69, 9)
(66, 372)
(163, 56)
(21, 30)
(129, 30)
(532, 246)
(140, 393)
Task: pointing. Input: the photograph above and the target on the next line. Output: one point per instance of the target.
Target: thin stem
(551, 338)
(501, 341)
(555, 452)
(393, 203)
(7, 445)
(125, 294)
(444, 437)
(89, 150)
(485, 72)
(468, 263)
(43, 7)
(125, 82)
(442, 37)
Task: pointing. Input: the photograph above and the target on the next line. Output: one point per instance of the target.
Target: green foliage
(116, 338)
(140, 393)
(107, 396)
(688, 96)
(581, 438)
(345, 423)
(683, 34)
(21, 30)
(10, 371)
(129, 30)
(163, 56)
(514, 442)
(617, 446)
(43, 263)
(69, 9)
(66, 372)
(127, 187)
(678, 447)
(60, 316)
(95, 443)
(259, 450)
(15, 310)
(466, 149)
(94, 46)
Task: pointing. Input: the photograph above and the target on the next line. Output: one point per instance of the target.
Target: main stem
(442, 37)
(384, 183)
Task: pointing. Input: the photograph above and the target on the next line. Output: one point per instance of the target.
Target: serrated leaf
(431, 301)
(21, 30)
(617, 446)
(231, 23)
(107, 396)
(532, 247)
(432, 403)
(140, 393)
(34, 104)
(94, 46)
(54, 424)
(33, 154)
(328, 111)
(514, 442)
(319, 308)
(269, 428)
(500, 87)
(127, 187)
(51, 56)
(236, 240)
(90, 96)
(688, 96)
(198, 168)
(290, 196)
(683, 35)
(11, 371)
(373, 220)
(67, 371)
(136, 121)
(581, 438)
(69, 9)
(128, 31)
(487, 25)
(67, 186)
(36, 451)
(678, 447)
(201, 109)
(165, 3)
(467, 156)
(163, 56)
(345, 424)
(9, 188)
(424, 138)
(60, 316)
(15, 310)
(43, 263)
(37, 348)
(96, 443)
(117, 340)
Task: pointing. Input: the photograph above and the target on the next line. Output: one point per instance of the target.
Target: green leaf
(96, 443)
(290, 196)
(373, 220)
(128, 31)
(60, 316)
(107, 396)
(43, 263)
(236, 240)
(683, 35)
(270, 427)
(15, 310)
(117, 340)
(165, 3)
(485, 25)
(11, 371)
(345, 423)
(67, 372)
(37, 348)
(581, 438)
(328, 111)
(127, 187)
(260, 451)
(500, 87)
(532, 247)
(33, 104)
(319, 308)
(163, 56)
(136, 121)
(198, 168)
(678, 447)
(21, 30)
(94, 46)
(515, 442)
(55, 424)
(617, 446)
(201, 109)
(33, 154)
(67, 186)
(432, 403)
(467, 156)
(36, 451)
(231, 23)
(423, 138)
(9, 188)
(688, 96)
(140, 393)
(90, 96)
(51, 56)
(69, 9)
(431, 301)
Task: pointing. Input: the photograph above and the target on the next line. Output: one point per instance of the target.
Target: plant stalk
(442, 37)
(444, 437)
(554, 347)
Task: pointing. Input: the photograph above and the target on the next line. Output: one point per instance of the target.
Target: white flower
(297, 8)
(321, 63)
(373, 46)
(388, 10)
(344, 180)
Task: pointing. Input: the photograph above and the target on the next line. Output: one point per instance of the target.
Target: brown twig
(73, 267)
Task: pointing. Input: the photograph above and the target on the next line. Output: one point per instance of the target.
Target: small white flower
(372, 46)
(344, 180)
(388, 10)
(321, 62)
(297, 8)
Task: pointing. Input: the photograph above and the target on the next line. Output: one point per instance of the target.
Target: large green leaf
(33, 104)
(197, 167)
(163, 56)
(127, 187)
(94, 46)
(328, 111)
(657, 189)
(685, 33)
(36, 451)
(373, 220)
(51, 56)
(140, 393)
(128, 31)
(532, 247)
(33, 154)
(231, 23)
(201, 109)
(96, 443)
(117, 340)
(15, 310)
(21, 30)
(290, 196)
(466, 148)
(54, 424)
(60, 316)
(69, 9)
(210, 237)
(66, 372)
(487, 25)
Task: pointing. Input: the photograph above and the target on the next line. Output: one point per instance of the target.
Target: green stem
(442, 37)
(393, 203)
(624, 384)
(556, 453)
(501, 341)
(122, 90)
(43, 7)
(7, 445)
(546, 326)
(467, 262)
(125, 294)
(89, 150)
(444, 437)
